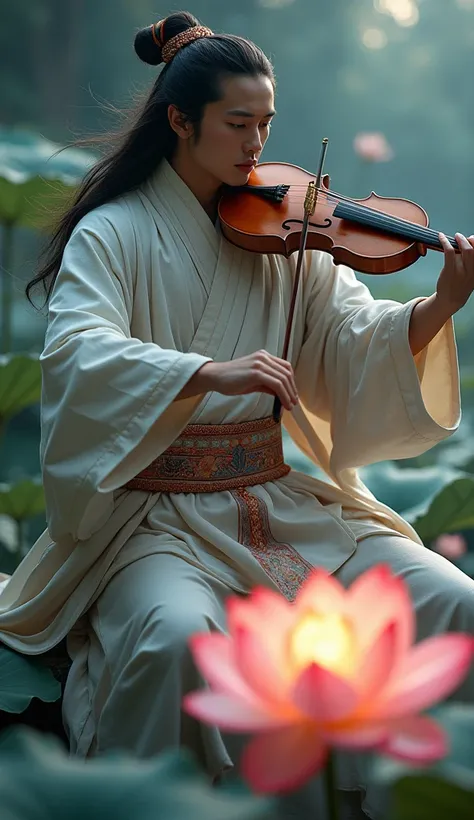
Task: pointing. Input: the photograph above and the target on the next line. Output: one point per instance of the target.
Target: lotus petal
(391, 596)
(272, 605)
(214, 656)
(416, 739)
(430, 672)
(321, 593)
(377, 664)
(322, 695)
(280, 761)
(255, 613)
(229, 712)
(258, 669)
(358, 736)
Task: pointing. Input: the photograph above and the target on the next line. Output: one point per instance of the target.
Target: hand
(259, 372)
(456, 280)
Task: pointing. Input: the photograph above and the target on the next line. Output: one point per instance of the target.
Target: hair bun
(146, 48)
(146, 43)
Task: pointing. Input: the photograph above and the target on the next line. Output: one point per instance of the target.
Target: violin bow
(309, 209)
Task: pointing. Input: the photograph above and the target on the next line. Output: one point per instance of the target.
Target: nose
(254, 141)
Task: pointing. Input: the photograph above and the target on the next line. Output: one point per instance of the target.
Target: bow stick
(309, 209)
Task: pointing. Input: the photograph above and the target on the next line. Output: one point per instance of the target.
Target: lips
(249, 165)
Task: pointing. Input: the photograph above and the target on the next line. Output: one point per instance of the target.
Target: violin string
(333, 196)
(381, 219)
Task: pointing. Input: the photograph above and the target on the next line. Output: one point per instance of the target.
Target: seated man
(165, 482)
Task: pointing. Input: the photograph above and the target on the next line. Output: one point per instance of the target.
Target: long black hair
(190, 81)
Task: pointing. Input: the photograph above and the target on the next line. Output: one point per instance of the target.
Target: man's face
(234, 130)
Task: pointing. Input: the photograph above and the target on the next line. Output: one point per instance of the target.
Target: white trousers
(132, 666)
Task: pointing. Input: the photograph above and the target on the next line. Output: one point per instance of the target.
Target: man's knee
(167, 629)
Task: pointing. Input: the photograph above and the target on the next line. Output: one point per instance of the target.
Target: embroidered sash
(208, 458)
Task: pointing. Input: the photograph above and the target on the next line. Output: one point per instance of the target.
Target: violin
(375, 235)
(283, 209)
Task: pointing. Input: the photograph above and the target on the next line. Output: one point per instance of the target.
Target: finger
(267, 362)
(463, 244)
(467, 253)
(291, 373)
(285, 375)
(283, 363)
(279, 389)
(470, 239)
(446, 244)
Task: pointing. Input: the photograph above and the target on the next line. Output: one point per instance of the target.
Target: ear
(178, 122)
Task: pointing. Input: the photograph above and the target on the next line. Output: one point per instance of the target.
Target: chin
(237, 177)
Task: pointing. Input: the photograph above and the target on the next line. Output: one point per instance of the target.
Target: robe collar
(227, 270)
(187, 215)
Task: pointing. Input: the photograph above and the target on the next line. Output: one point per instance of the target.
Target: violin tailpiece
(275, 193)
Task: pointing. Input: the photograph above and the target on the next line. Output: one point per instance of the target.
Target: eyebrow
(238, 112)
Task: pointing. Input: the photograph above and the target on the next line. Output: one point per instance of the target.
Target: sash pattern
(209, 458)
(281, 562)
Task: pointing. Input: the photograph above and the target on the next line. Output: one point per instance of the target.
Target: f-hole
(286, 224)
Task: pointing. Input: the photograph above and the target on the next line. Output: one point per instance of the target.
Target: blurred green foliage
(444, 790)
(39, 782)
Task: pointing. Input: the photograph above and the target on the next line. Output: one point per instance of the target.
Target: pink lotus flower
(372, 147)
(451, 545)
(336, 668)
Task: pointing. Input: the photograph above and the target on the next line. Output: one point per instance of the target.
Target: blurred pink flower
(372, 147)
(336, 668)
(451, 545)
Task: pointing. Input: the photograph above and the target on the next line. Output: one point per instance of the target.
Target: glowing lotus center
(328, 640)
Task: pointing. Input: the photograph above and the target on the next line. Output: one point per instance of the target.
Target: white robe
(148, 291)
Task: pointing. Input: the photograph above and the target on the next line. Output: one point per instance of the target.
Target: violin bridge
(310, 199)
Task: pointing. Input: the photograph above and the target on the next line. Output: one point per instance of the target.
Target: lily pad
(20, 383)
(32, 173)
(38, 781)
(451, 510)
(408, 491)
(22, 500)
(23, 678)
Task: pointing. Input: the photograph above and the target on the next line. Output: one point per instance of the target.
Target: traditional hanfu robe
(148, 292)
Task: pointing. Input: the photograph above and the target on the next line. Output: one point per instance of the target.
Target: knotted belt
(208, 458)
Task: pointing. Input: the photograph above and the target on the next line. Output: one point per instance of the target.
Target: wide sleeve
(365, 393)
(107, 401)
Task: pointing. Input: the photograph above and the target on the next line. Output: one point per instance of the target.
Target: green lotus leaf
(457, 720)
(38, 781)
(20, 383)
(426, 797)
(22, 500)
(23, 678)
(450, 510)
(408, 491)
(446, 789)
(33, 175)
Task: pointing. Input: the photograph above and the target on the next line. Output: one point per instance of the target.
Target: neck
(205, 187)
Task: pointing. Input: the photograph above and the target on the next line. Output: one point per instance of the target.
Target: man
(164, 477)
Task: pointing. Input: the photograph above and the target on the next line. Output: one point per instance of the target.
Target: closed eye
(244, 125)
